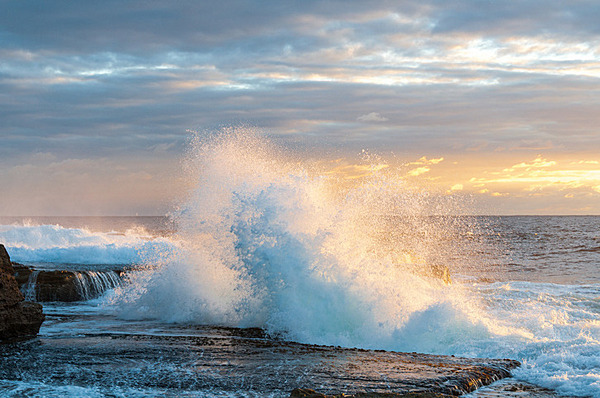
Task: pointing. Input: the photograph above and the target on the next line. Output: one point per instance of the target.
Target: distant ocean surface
(524, 287)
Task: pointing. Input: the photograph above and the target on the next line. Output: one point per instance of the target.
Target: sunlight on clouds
(538, 185)
(540, 174)
(586, 162)
(372, 165)
(538, 162)
(457, 59)
(455, 188)
(418, 171)
(183, 85)
(424, 164)
(424, 160)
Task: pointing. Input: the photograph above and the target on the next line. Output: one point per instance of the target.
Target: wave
(318, 256)
(34, 244)
(310, 254)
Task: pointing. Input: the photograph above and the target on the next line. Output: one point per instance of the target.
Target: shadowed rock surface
(18, 318)
(64, 285)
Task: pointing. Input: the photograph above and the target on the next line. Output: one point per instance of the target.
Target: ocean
(266, 246)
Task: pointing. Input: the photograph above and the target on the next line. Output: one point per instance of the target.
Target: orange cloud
(418, 171)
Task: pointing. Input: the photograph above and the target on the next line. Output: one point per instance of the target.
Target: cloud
(418, 171)
(542, 175)
(129, 79)
(424, 160)
(537, 163)
(372, 117)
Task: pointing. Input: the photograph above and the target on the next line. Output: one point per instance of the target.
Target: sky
(495, 100)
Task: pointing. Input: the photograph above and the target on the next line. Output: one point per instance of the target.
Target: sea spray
(313, 256)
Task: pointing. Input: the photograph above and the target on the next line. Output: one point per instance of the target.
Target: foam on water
(29, 243)
(18, 389)
(559, 341)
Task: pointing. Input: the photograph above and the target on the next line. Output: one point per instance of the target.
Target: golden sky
(498, 185)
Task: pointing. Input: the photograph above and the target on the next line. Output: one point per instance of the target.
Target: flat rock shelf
(217, 361)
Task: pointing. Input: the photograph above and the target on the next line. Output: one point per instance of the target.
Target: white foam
(559, 339)
(17, 389)
(265, 243)
(55, 244)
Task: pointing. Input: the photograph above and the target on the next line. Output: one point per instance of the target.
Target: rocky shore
(18, 318)
(65, 285)
(88, 350)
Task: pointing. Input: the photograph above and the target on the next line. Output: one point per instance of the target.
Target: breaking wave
(34, 244)
(307, 253)
(317, 255)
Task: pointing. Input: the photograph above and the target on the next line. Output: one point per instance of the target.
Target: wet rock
(18, 318)
(57, 286)
(212, 361)
(512, 388)
(63, 285)
(371, 374)
(309, 393)
(21, 273)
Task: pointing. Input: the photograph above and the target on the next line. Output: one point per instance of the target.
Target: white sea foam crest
(32, 243)
(266, 242)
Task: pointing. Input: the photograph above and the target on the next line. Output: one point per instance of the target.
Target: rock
(57, 286)
(306, 393)
(370, 374)
(310, 393)
(213, 361)
(65, 286)
(22, 273)
(18, 318)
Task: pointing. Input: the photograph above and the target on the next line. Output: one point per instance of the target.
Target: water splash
(92, 284)
(29, 290)
(300, 251)
(60, 285)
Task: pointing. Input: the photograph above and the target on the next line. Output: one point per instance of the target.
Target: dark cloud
(524, 17)
(142, 26)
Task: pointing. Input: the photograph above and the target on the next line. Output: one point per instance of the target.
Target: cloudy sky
(499, 100)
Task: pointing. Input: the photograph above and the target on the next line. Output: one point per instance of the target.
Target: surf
(313, 255)
(267, 241)
(55, 245)
(346, 254)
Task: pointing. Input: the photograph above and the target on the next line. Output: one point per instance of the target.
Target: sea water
(261, 241)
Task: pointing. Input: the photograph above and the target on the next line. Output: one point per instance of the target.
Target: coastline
(309, 371)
